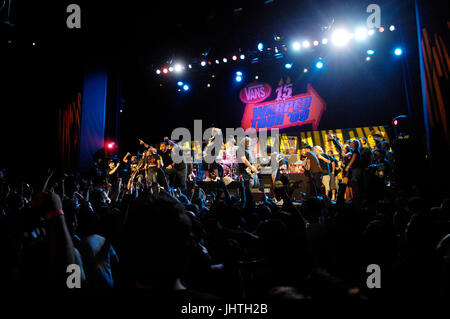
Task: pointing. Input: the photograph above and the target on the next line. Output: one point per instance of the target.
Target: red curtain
(69, 133)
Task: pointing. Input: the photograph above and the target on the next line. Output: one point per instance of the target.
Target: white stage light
(340, 37)
(316, 43)
(392, 28)
(171, 69)
(158, 71)
(178, 68)
(371, 32)
(296, 46)
(306, 44)
(203, 63)
(361, 33)
(324, 41)
(225, 60)
(242, 57)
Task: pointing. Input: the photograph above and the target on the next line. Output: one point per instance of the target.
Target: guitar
(248, 170)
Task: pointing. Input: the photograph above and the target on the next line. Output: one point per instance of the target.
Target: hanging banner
(286, 110)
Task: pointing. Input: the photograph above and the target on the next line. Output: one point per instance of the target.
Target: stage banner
(286, 110)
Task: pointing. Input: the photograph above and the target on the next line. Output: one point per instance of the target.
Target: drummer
(294, 161)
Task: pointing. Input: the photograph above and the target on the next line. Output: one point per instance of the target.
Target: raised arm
(114, 169)
(61, 250)
(143, 143)
(125, 159)
(335, 141)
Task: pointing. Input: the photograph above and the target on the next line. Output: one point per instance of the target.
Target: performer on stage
(230, 156)
(247, 171)
(208, 168)
(152, 165)
(164, 152)
(273, 164)
(112, 173)
(179, 168)
(313, 169)
(133, 169)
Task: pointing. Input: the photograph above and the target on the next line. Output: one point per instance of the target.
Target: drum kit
(296, 168)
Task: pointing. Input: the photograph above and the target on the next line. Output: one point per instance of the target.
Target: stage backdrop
(311, 138)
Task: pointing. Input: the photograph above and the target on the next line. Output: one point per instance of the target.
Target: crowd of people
(156, 230)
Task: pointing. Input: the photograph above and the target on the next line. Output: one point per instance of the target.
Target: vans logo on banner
(255, 92)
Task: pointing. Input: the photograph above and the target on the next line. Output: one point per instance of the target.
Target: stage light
(180, 83)
(288, 65)
(165, 70)
(217, 61)
(225, 60)
(186, 87)
(238, 73)
(361, 33)
(306, 44)
(319, 64)
(203, 63)
(260, 46)
(395, 122)
(371, 32)
(276, 50)
(208, 85)
(178, 68)
(171, 69)
(381, 29)
(340, 37)
(256, 77)
(324, 41)
(296, 46)
(398, 51)
(238, 78)
(111, 145)
(242, 57)
(316, 43)
(234, 58)
(368, 58)
(392, 28)
(158, 71)
(305, 70)
(370, 52)
(190, 66)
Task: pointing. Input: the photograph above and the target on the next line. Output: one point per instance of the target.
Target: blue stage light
(238, 78)
(319, 64)
(186, 87)
(370, 52)
(288, 65)
(398, 51)
(238, 73)
(180, 83)
(260, 46)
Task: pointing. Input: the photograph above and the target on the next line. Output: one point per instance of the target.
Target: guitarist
(246, 170)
